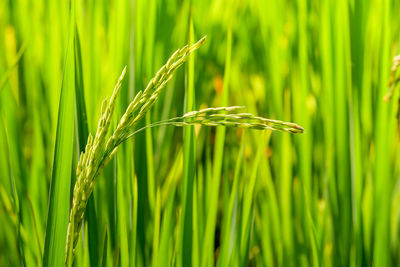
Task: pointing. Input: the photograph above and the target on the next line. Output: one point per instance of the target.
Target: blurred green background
(328, 197)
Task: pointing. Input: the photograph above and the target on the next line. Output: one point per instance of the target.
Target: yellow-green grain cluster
(98, 152)
(214, 117)
(89, 165)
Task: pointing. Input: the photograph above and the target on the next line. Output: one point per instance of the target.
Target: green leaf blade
(58, 209)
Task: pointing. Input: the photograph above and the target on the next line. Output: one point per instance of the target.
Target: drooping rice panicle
(99, 152)
(211, 117)
(87, 168)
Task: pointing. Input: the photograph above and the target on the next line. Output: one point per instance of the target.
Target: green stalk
(189, 148)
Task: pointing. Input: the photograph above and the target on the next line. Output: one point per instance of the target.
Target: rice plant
(98, 152)
(179, 165)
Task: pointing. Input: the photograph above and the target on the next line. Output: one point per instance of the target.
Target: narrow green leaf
(16, 176)
(208, 244)
(188, 166)
(156, 233)
(167, 229)
(134, 191)
(57, 217)
(248, 205)
(104, 253)
(385, 132)
(122, 208)
(82, 137)
(229, 228)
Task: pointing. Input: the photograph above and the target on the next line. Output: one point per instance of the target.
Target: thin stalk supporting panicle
(98, 151)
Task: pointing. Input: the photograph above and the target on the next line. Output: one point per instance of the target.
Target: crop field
(200, 133)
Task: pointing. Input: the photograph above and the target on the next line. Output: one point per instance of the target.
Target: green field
(195, 191)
